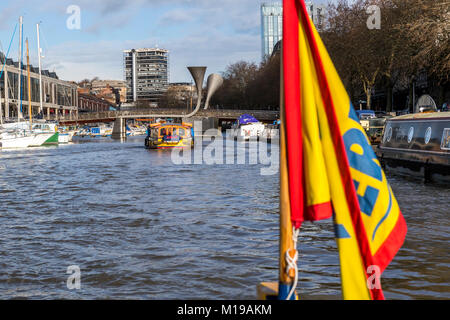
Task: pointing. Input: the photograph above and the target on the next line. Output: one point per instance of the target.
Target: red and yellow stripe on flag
(306, 165)
(330, 160)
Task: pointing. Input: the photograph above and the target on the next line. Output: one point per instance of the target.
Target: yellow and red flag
(332, 168)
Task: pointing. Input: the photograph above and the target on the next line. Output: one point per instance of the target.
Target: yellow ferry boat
(169, 135)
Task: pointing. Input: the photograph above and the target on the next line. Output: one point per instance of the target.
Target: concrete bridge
(220, 114)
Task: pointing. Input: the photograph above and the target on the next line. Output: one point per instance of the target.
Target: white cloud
(176, 16)
(77, 60)
(196, 32)
(219, 33)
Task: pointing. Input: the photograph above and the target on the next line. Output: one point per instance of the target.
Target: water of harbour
(140, 227)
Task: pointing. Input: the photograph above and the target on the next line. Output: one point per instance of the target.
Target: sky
(212, 33)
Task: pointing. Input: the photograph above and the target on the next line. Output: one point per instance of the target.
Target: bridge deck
(221, 114)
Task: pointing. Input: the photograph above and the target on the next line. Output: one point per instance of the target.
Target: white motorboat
(247, 127)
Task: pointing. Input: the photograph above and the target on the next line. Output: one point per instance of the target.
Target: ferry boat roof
(171, 124)
(424, 116)
(159, 125)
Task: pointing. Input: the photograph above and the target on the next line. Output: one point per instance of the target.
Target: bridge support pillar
(210, 123)
(202, 124)
(119, 129)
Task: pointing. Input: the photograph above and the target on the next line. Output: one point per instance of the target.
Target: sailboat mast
(1, 108)
(30, 108)
(41, 108)
(19, 96)
(1, 74)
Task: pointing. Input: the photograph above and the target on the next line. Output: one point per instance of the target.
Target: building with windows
(317, 14)
(146, 73)
(114, 91)
(271, 27)
(91, 103)
(272, 23)
(183, 90)
(58, 96)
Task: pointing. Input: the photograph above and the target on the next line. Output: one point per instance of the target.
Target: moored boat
(372, 124)
(375, 128)
(50, 129)
(100, 131)
(65, 137)
(136, 130)
(24, 134)
(247, 127)
(17, 139)
(15, 143)
(272, 131)
(418, 143)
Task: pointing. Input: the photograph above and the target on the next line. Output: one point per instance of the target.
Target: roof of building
(11, 62)
(146, 50)
(111, 83)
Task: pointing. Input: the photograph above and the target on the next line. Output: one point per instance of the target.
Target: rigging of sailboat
(30, 107)
(3, 69)
(41, 108)
(22, 134)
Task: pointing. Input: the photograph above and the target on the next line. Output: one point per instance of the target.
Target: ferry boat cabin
(166, 136)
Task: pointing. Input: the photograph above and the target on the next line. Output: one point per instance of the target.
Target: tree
(431, 32)
(175, 99)
(234, 91)
(430, 37)
(357, 51)
(413, 39)
(264, 90)
(248, 86)
(413, 36)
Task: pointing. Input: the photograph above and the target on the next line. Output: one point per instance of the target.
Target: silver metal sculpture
(214, 82)
(198, 73)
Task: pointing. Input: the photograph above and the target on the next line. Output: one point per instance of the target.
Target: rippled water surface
(140, 227)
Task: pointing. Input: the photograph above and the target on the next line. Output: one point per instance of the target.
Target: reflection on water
(140, 227)
(420, 269)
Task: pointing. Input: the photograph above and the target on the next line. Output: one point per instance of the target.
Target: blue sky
(196, 32)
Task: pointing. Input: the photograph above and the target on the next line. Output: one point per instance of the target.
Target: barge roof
(424, 116)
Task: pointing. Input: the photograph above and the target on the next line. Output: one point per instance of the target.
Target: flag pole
(286, 241)
(280, 290)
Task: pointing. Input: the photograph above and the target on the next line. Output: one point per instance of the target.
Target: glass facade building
(272, 23)
(271, 26)
(316, 13)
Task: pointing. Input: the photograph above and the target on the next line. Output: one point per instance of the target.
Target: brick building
(91, 103)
